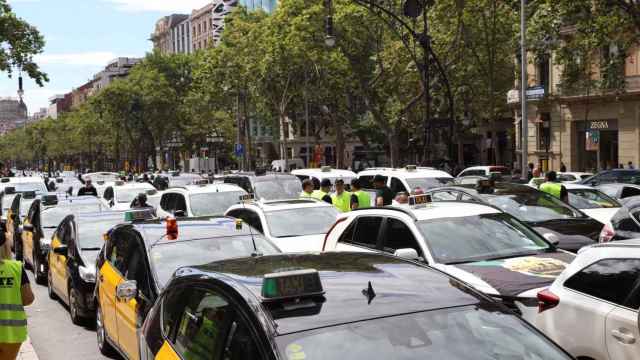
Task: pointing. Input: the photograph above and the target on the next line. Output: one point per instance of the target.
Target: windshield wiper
(91, 249)
(518, 254)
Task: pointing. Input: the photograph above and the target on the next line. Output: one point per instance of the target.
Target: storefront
(597, 144)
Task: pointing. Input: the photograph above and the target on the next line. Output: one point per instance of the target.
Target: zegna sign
(606, 124)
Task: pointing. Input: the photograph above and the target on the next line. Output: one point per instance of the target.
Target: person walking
(341, 199)
(15, 293)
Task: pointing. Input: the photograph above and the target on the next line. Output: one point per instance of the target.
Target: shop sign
(535, 93)
(592, 141)
(602, 125)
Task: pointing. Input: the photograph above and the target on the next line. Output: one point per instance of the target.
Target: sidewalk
(27, 352)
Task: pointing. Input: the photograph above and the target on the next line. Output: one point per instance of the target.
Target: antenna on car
(243, 199)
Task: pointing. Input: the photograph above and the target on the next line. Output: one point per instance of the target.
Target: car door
(29, 236)
(13, 219)
(396, 185)
(397, 235)
(210, 326)
(110, 275)
(364, 231)
(58, 262)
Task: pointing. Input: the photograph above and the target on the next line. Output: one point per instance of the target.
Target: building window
(543, 72)
(543, 127)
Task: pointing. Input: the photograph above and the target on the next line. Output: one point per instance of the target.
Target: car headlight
(87, 274)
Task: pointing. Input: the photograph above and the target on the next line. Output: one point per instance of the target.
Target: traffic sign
(239, 150)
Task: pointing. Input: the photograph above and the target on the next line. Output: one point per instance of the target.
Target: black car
(346, 306)
(40, 223)
(625, 223)
(628, 176)
(74, 249)
(552, 218)
(267, 186)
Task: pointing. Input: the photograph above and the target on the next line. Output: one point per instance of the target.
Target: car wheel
(73, 307)
(40, 277)
(52, 294)
(103, 345)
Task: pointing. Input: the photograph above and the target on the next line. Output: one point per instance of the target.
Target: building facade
(181, 37)
(81, 94)
(13, 114)
(202, 27)
(117, 68)
(585, 131)
(59, 104)
(164, 36)
(266, 5)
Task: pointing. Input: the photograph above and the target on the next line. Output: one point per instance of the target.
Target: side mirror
(179, 213)
(409, 254)
(61, 250)
(127, 290)
(27, 227)
(111, 203)
(552, 238)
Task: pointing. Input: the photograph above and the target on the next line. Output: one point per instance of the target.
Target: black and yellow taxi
(332, 306)
(75, 246)
(42, 219)
(138, 258)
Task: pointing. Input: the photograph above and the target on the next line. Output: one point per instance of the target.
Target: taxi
(491, 250)
(138, 258)
(196, 200)
(325, 172)
(331, 306)
(406, 179)
(34, 243)
(298, 225)
(71, 275)
(120, 195)
(266, 186)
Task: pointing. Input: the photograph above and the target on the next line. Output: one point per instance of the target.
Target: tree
(19, 42)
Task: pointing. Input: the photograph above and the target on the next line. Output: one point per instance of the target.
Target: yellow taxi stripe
(166, 353)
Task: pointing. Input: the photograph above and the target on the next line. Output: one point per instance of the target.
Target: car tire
(101, 334)
(52, 294)
(40, 277)
(76, 319)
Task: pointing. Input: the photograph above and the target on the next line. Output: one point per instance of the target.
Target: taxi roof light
(291, 285)
(246, 197)
(138, 215)
(5, 180)
(325, 169)
(119, 183)
(420, 199)
(411, 168)
(172, 228)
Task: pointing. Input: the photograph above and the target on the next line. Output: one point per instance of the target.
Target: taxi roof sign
(246, 197)
(419, 199)
(325, 169)
(411, 167)
(291, 284)
(139, 215)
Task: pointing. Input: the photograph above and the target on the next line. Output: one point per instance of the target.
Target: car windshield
(90, 233)
(590, 199)
(52, 217)
(478, 333)
(301, 221)
(428, 183)
(208, 204)
(38, 187)
(480, 237)
(278, 189)
(127, 196)
(168, 257)
(533, 206)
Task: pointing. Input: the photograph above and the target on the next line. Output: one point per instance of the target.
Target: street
(53, 335)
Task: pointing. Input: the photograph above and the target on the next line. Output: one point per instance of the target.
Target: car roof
(103, 216)
(286, 204)
(407, 174)
(26, 179)
(331, 173)
(621, 243)
(402, 287)
(435, 210)
(134, 185)
(501, 187)
(266, 177)
(578, 187)
(155, 231)
(206, 189)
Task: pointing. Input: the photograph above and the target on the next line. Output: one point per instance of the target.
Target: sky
(82, 36)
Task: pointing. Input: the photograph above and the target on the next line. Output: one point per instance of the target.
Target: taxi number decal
(294, 352)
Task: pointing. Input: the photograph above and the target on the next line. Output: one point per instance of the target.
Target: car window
(366, 230)
(622, 221)
(301, 221)
(366, 181)
(167, 203)
(467, 197)
(398, 235)
(629, 177)
(181, 203)
(62, 232)
(397, 186)
(473, 173)
(566, 177)
(533, 206)
(590, 199)
(629, 191)
(248, 216)
(444, 195)
(612, 280)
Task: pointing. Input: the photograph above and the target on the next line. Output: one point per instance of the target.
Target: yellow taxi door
(127, 316)
(108, 279)
(27, 242)
(10, 225)
(58, 265)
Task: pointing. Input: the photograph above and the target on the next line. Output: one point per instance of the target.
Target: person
(551, 185)
(402, 198)
(359, 199)
(530, 172)
(140, 203)
(307, 189)
(15, 293)
(88, 189)
(341, 199)
(323, 193)
(630, 165)
(51, 186)
(384, 195)
(563, 167)
(536, 172)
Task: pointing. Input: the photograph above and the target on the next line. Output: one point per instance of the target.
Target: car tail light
(606, 234)
(326, 237)
(547, 300)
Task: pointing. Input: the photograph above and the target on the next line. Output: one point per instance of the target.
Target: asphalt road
(52, 333)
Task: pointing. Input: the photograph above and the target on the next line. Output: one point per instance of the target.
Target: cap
(325, 183)
(378, 178)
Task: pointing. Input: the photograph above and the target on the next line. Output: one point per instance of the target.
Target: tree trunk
(394, 148)
(339, 146)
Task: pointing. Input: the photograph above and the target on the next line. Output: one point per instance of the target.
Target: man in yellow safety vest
(341, 199)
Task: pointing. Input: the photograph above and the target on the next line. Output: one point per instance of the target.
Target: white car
(591, 309)
(293, 225)
(406, 179)
(120, 195)
(592, 202)
(326, 172)
(573, 177)
(197, 200)
(482, 246)
(485, 171)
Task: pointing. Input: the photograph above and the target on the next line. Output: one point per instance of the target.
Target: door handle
(623, 336)
(101, 278)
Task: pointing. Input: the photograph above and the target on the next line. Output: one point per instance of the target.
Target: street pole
(425, 42)
(306, 117)
(524, 123)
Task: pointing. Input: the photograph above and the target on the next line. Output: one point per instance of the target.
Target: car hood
(603, 215)
(305, 243)
(514, 276)
(572, 233)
